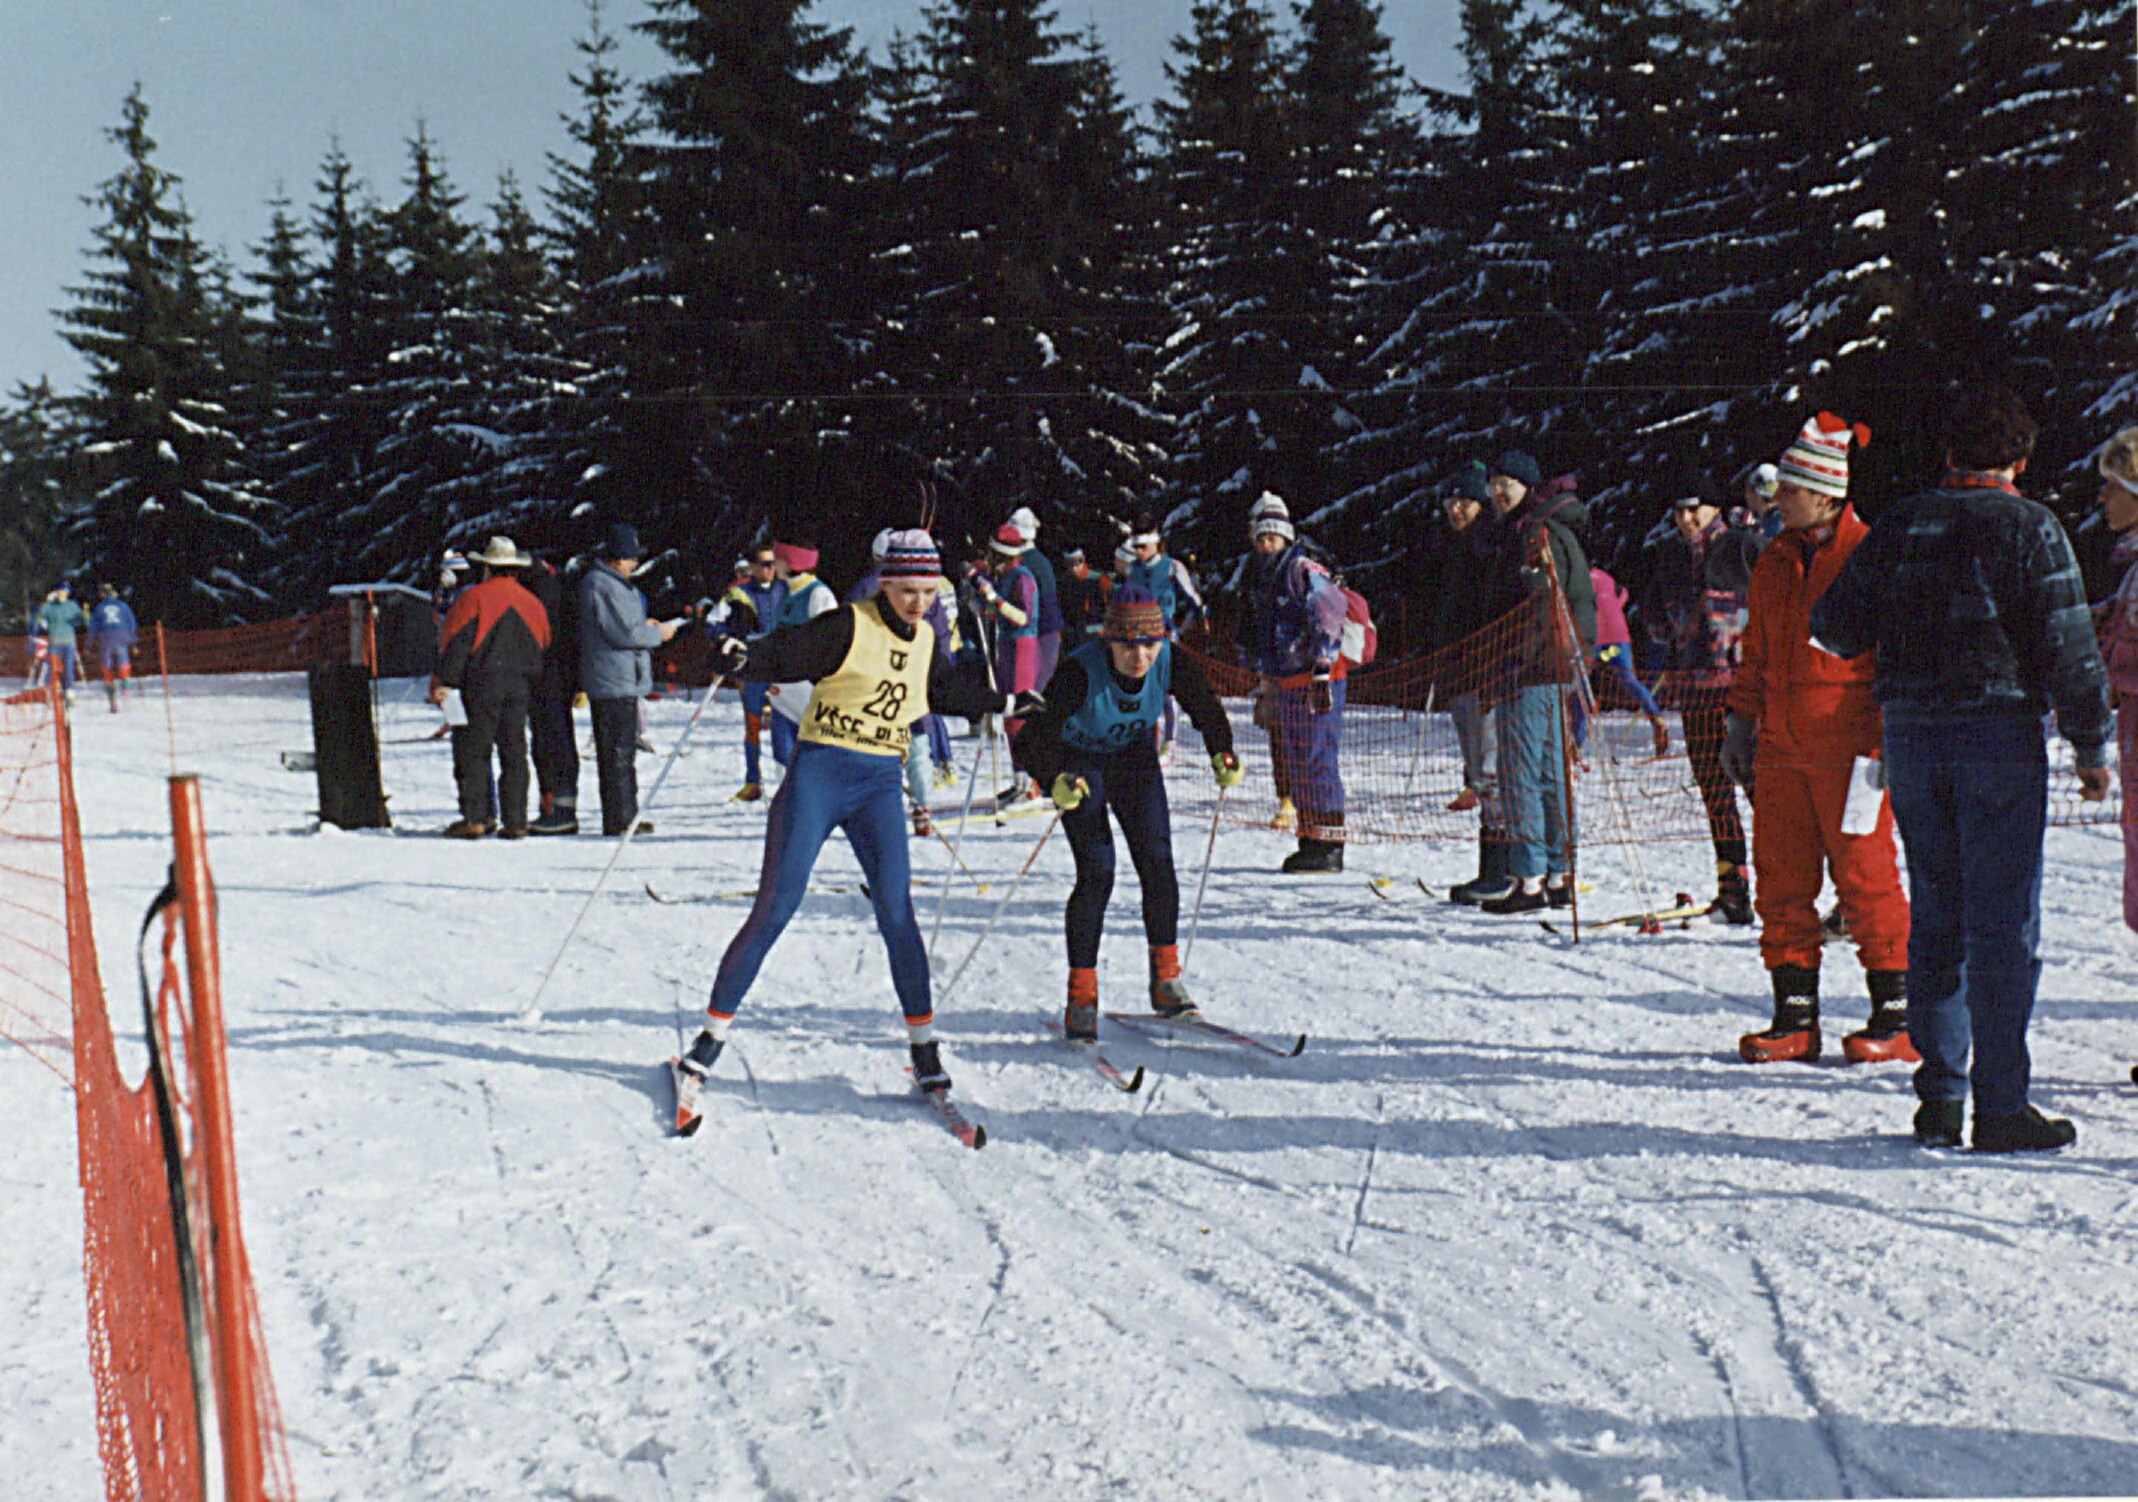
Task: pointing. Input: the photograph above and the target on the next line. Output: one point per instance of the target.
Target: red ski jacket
(495, 631)
(1811, 705)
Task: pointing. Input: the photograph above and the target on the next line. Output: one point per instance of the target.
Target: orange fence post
(235, 1380)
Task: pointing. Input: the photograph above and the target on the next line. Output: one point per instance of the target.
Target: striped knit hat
(1132, 615)
(1270, 515)
(1818, 460)
(1009, 542)
(910, 555)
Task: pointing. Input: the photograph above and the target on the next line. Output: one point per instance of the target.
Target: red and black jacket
(496, 632)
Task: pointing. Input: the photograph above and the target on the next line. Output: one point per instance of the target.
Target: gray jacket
(615, 643)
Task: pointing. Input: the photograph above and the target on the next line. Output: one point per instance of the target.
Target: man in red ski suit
(1810, 716)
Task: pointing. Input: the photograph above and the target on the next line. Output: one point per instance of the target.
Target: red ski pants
(1796, 840)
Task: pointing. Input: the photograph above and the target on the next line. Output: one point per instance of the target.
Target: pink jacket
(2119, 641)
(1610, 611)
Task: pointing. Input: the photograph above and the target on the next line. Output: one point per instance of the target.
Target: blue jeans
(1533, 794)
(1971, 796)
(785, 734)
(827, 788)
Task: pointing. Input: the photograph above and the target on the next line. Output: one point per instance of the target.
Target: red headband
(800, 559)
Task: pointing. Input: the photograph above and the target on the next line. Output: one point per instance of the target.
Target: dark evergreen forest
(782, 279)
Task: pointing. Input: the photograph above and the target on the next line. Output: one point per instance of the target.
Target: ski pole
(533, 1013)
(1195, 920)
(952, 984)
(978, 885)
(964, 813)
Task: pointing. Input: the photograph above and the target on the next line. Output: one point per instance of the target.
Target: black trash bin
(345, 747)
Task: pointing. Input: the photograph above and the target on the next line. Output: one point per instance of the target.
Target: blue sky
(245, 96)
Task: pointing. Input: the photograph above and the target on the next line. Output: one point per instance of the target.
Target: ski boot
(1559, 890)
(1169, 993)
(1314, 858)
(1463, 801)
(1286, 815)
(750, 792)
(1794, 1032)
(1733, 894)
(704, 1054)
(1525, 896)
(1885, 1036)
(1080, 1017)
(1834, 928)
(928, 1071)
(1492, 880)
(2028, 1132)
(1937, 1123)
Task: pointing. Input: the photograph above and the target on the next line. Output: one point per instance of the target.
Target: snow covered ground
(1515, 1224)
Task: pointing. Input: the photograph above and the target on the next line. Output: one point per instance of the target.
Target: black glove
(1321, 697)
(729, 655)
(1740, 739)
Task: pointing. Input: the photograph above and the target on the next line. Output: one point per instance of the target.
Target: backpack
(1360, 641)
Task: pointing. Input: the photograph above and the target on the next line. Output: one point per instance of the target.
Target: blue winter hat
(1468, 483)
(621, 541)
(1516, 465)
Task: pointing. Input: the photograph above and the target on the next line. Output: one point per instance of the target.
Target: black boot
(1560, 892)
(1492, 878)
(1315, 858)
(1937, 1123)
(1733, 894)
(1885, 1036)
(928, 1071)
(1794, 1032)
(704, 1054)
(2028, 1132)
(1522, 897)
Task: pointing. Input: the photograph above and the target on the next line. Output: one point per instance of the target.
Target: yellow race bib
(881, 687)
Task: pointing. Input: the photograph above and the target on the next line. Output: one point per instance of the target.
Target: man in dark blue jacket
(1972, 599)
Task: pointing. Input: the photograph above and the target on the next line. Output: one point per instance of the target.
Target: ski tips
(1299, 1047)
(1135, 1082)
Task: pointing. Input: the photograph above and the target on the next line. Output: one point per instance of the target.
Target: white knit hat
(1818, 460)
(1026, 523)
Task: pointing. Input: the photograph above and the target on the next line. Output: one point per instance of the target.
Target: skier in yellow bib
(875, 673)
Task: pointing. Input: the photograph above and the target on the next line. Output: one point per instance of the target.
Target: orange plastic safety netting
(36, 996)
(172, 1316)
(284, 646)
(1441, 746)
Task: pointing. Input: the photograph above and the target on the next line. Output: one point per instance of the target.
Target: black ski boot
(1937, 1123)
(1492, 878)
(1315, 858)
(1559, 892)
(1885, 1036)
(704, 1054)
(1794, 1032)
(2028, 1132)
(928, 1071)
(1733, 894)
(1521, 897)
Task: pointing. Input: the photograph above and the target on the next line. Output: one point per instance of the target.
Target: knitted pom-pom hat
(910, 555)
(1818, 460)
(1132, 615)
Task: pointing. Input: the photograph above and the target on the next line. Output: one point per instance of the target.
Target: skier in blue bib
(1091, 747)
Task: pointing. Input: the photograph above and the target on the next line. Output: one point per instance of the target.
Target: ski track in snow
(1517, 1224)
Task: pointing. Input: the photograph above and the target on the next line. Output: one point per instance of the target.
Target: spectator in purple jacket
(1295, 641)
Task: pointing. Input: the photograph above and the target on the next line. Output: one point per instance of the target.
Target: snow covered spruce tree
(34, 447)
(747, 317)
(597, 213)
(1345, 96)
(1016, 247)
(173, 512)
(415, 488)
(332, 344)
(2045, 212)
(1243, 299)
